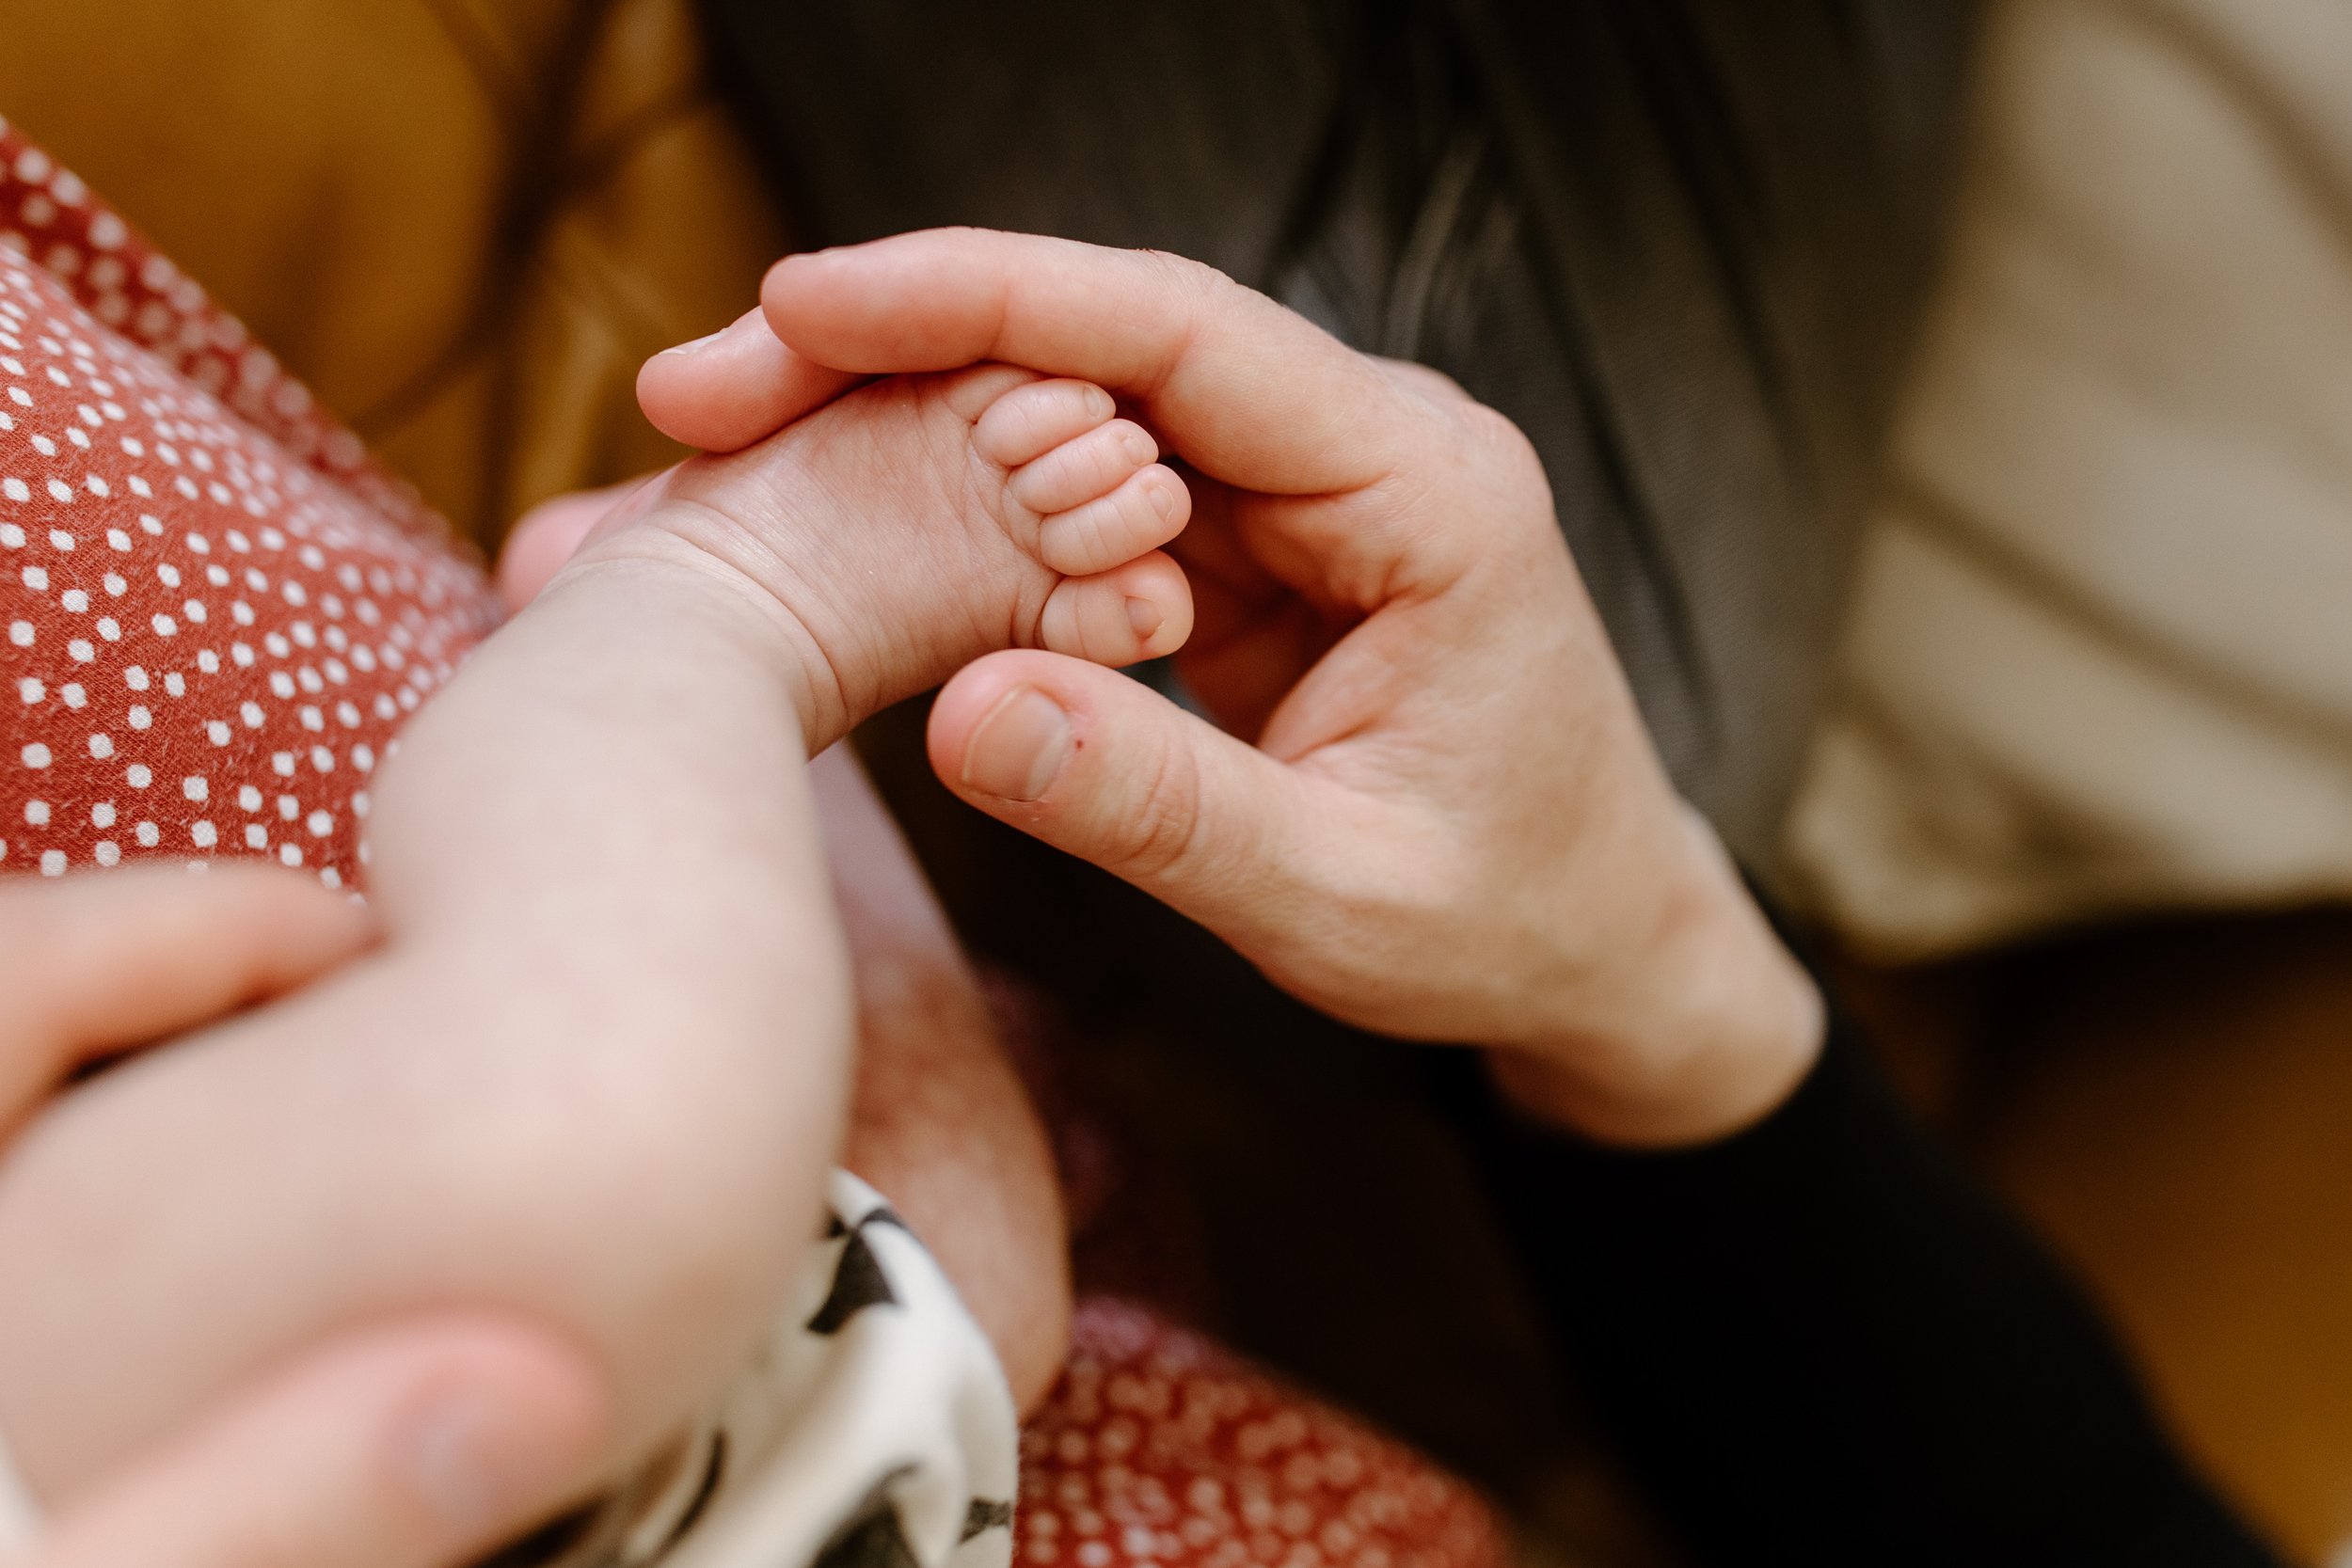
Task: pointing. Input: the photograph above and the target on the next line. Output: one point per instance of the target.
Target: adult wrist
(1706, 1029)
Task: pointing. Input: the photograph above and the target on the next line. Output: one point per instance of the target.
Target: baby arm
(594, 1071)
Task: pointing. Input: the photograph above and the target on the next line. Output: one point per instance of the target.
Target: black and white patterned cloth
(873, 1430)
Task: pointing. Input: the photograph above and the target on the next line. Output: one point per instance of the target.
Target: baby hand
(1432, 809)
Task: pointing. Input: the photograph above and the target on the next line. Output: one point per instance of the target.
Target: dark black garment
(1821, 1343)
(1679, 242)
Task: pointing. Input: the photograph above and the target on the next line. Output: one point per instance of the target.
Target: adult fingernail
(480, 1465)
(1020, 747)
(1146, 618)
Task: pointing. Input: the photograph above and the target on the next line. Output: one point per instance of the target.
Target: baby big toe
(1078, 471)
(1140, 610)
(1143, 513)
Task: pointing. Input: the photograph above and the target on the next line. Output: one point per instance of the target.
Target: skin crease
(939, 1120)
(609, 945)
(1431, 808)
(347, 1455)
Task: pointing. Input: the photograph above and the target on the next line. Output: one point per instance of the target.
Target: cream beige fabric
(464, 223)
(2102, 653)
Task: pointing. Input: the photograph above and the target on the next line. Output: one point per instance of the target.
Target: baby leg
(596, 1066)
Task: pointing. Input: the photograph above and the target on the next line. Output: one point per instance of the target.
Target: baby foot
(921, 522)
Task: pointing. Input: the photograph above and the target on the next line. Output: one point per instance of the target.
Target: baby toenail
(1138, 446)
(1100, 404)
(700, 342)
(1019, 749)
(1146, 617)
(1163, 500)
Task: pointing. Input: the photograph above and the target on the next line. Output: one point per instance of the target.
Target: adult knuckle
(1505, 466)
(1185, 272)
(1501, 439)
(1427, 383)
(1202, 291)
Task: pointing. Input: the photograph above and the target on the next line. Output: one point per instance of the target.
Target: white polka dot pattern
(48, 215)
(1158, 1447)
(211, 642)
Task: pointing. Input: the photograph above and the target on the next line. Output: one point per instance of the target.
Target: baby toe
(1079, 470)
(1140, 610)
(1031, 420)
(1143, 513)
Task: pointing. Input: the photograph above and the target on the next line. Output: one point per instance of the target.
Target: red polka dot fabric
(49, 216)
(1159, 1448)
(216, 610)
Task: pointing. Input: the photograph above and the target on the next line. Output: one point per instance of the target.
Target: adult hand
(1432, 810)
(421, 1444)
(415, 1444)
(97, 965)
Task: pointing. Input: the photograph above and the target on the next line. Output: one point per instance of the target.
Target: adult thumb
(412, 1444)
(1104, 769)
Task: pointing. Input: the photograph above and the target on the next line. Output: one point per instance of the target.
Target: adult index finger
(1249, 391)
